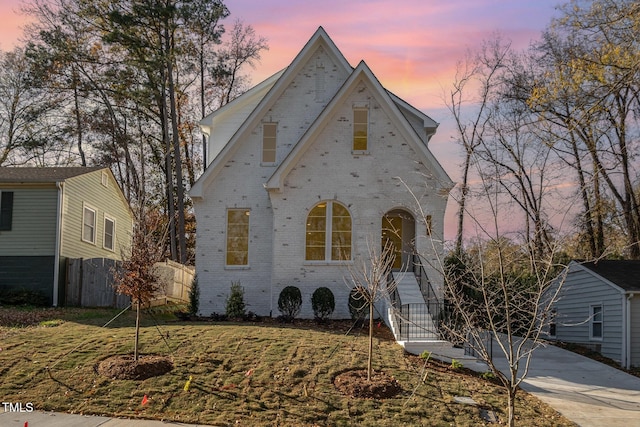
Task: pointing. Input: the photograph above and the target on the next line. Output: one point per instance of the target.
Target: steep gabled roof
(319, 38)
(227, 119)
(622, 273)
(361, 74)
(42, 174)
(429, 123)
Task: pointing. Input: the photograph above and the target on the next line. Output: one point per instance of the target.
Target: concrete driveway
(587, 392)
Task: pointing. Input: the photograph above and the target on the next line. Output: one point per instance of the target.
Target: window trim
(104, 233)
(247, 212)
(6, 213)
(273, 150)
(86, 207)
(328, 235)
(592, 321)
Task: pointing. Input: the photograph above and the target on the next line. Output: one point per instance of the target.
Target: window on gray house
(596, 322)
(6, 210)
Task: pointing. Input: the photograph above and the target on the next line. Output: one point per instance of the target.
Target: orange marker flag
(145, 400)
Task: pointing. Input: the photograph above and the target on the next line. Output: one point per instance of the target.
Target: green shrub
(488, 375)
(456, 364)
(358, 306)
(235, 302)
(323, 303)
(194, 297)
(23, 297)
(289, 303)
(425, 355)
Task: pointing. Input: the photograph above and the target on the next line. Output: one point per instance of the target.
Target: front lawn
(257, 374)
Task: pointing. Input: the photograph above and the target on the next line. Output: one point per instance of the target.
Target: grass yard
(251, 374)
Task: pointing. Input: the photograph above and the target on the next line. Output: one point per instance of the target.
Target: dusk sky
(412, 46)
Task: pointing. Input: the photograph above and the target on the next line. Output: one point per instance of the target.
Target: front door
(392, 233)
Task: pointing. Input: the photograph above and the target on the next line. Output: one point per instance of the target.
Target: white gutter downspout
(627, 337)
(56, 262)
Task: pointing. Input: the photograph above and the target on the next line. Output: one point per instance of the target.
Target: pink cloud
(412, 46)
(11, 23)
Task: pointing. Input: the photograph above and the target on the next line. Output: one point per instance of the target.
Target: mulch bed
(123, 367)
(354, 383)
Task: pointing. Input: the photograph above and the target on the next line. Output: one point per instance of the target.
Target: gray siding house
(306, 170)
(599, 307)
(50, 214)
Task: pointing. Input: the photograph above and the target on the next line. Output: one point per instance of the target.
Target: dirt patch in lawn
(354, 383)
(124, 367)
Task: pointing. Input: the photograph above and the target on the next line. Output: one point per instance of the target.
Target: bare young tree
(370, 277)
(136, 276)
(499, 293)
(500, 310)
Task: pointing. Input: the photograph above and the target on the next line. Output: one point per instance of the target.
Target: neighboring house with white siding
(599, 307)
(50, 214)
(305, 170)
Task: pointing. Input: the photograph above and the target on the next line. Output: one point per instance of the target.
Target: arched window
(328, 233)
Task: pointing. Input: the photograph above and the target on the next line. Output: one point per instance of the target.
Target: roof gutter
(56, 262)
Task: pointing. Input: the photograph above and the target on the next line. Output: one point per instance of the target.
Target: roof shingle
(42, 174)
(624, 273)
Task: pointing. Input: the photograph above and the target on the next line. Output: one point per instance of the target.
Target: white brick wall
(365, 183)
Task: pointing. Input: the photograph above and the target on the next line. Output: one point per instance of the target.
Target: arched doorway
(399, 229)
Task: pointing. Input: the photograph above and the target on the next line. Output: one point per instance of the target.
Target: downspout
(56, 262)
(627, 331)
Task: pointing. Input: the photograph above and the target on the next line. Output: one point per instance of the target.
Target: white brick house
(304, 173)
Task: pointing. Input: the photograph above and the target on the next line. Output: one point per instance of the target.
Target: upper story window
(320, 82)
(269, 131)
(360, 128)
(6, 210)
(89, 225)
(328, 233)
(237, 237)
(109, 233)
(596, 322)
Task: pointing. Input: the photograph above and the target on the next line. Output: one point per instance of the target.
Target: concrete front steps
(420, 321)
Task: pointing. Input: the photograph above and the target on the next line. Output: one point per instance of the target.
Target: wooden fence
(175, 280)
(90, 283)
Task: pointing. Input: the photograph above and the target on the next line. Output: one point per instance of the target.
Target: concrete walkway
(587, 392)
(55, 419)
